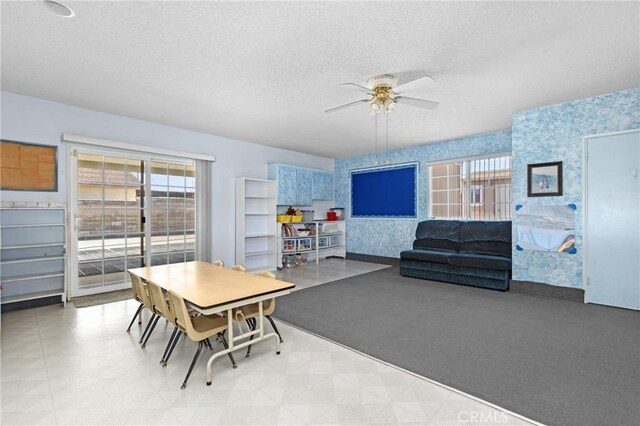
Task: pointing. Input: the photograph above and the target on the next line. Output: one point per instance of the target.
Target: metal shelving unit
(33, 247)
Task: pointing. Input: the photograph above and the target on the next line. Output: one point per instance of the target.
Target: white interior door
(613, 220)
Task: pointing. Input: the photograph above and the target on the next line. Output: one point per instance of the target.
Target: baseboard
(393, 261)
(546, 290)
(34, 303)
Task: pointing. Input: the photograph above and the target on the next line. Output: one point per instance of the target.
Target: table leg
(233, 347)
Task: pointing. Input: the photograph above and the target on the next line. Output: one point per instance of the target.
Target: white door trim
(105, 143)
(72, 224)
(585, 217)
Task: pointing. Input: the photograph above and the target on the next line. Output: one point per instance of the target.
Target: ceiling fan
(384, 93)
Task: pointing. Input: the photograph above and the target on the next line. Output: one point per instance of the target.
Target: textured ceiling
(265, 72)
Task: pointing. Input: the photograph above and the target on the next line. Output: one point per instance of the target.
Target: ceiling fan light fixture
(385, 93)
(59, 9)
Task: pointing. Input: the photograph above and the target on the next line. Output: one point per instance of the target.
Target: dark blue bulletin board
(388, 191)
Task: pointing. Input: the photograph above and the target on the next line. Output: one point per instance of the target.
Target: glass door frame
(72, 189)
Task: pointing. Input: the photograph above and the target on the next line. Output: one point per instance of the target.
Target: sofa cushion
(439, 229)
(480, 261)
(436, 244)
(486, 247)
(485, 231)
(486, 238)
(426, 255)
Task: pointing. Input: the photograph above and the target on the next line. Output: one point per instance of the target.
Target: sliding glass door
(129, 212)
(173, 206)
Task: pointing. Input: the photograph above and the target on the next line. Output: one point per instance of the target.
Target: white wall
(35, 120)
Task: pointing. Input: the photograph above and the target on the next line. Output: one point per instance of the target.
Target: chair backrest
(267, 274)
(160, 303)
(180, 312)
(270, 305)
(212, 323)
(140, 291)
(218, 263)
(239, 268)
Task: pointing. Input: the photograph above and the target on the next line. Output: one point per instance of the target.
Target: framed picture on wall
(544, 179)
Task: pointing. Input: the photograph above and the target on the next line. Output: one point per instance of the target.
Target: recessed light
(59, 9)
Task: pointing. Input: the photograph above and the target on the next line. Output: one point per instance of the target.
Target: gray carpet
(102, 298)
(555, 361)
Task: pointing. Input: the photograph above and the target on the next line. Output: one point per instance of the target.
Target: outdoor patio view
(132, 213)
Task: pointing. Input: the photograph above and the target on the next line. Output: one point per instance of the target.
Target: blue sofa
(474, 253)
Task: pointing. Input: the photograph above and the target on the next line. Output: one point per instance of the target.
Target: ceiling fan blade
(357, 87)
(425, 82)
(420, 103)
(350, 104)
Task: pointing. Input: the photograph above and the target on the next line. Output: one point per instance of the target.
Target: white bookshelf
(328, 241)
(256, 228)
(32, 251)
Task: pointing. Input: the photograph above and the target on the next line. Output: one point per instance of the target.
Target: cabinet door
(322, 186)
(287, 186)
(304, 185)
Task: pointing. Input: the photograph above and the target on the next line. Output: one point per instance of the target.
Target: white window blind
(471, 188)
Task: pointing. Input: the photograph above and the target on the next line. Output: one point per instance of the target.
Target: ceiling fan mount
(384, 81)
(384, 93)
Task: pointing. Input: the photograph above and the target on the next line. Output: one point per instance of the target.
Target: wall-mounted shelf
(33, 251)
(31, 259)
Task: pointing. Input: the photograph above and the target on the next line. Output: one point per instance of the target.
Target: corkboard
(28, 167)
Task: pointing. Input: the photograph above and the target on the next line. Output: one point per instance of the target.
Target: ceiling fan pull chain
(387, 128)
(375, 124)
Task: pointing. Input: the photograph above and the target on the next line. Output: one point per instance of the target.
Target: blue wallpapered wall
(550, 133)
(388, 237)
(554, 133)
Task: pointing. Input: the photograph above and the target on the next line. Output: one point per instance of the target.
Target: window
(475, 194)
(172, 206)
(471, 188)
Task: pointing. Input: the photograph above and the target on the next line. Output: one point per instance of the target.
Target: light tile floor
(73, 366)
(327, 270)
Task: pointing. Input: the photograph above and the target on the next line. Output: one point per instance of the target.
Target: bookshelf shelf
(256, 236)
(32, 252)
(325, 239)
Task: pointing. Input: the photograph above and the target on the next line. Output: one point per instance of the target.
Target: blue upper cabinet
(286, 178)
(322, 186)
(298, 186)
(305, 182)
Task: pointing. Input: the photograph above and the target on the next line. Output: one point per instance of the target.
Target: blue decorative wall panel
(550, 133)
(554, 133)
(388, 237)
